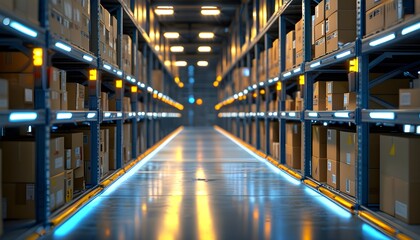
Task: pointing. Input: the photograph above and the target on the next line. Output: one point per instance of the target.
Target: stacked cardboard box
(298, 101)
(410, 97)
(107, 36)
(293, 145)
(399, 184)
(383, 14)
(263, 135)
(299, 41)
(333, 158)
(80, 181)
(349, 101)
(68, 184)
(319, 153)
(75, 96)
(274, 60)
(290, 50)
(335, 95)
(19, 182)
(104, 101)
(240, 78)
(58, 90)
(127, 142)
(340, 23)
(22, 8)
(319, 96)
(261, 67)
(126, 54)
(290, 105)
(104, 152)
(4, 94)
(112, 129)
(157, 80)
(319, 30)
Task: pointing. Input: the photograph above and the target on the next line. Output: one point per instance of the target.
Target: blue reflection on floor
(372, 233)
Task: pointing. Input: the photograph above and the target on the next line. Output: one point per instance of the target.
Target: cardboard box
(319, 169)
(127, 142)
(374, 151)
(299, 35)
(74, 142)
(417, 6)
(18, 200)
(333, 173)
(293, 134)
(395, 11)
(319, 12)
(335, 101)
(76, 96)
(373, 3)
(319, 96)
(112, 146)
(290, 104)
(4, 94)
(25, 9)
(15, 62)
(373, 195)
(407, 197)
(54, 79)
(22, 87)
(319, 30)
(55, 100)
(333, 144)
(6, 5)
(299, 104)
(57, 191)
(338, 39)
(375, 19)
(409, 98)
(399, 157)
(319, 141)
(349, 102)
(293, 156)
(386, 193)
(299, 58)
(332, 6)
(341, 20)
(348, 148)
(68, 184)
(337, 87)
(320, 47)
(347, 178)
(64, 101)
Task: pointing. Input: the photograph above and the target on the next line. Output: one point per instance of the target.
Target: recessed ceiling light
(171, 35)
(208, 7)
(165, 7)
(204, 49)
(206, 35)
(202, 63)
(177, 49)
(164, 10)
(210, 10)
(180, 63)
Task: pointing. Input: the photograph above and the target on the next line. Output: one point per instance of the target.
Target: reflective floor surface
(204, 186)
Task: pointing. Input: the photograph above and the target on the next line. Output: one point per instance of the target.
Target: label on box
(68, 158)
(30, 192)
(329, 87)
(329, 134)
(78, 163)
(405, 99)
(60, 197)
(348, 158)
(327, 5)
(59, 162)
(334, 178)
(401, 209)
(329, 165)
(348, 185)
(346, 100)
(28, 95)
(77, 152)
(327, 26)
(329, 99)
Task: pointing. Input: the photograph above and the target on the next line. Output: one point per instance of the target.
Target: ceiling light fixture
(202, 63)
(164, 10)
(180, 63)
(206, 35)
(177, 49)
(171, 35)
(204, 49)
(209, 10)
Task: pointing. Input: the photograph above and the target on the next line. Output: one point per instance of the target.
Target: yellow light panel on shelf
(302, 80)
(37, 55)
(278, 87)
(354, 65)
(118, 83)
(199, 102)
(215, 84)
(133, 89)
(93, 74)
(262, 91)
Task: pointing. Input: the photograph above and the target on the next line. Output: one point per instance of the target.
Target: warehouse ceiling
(188, 21)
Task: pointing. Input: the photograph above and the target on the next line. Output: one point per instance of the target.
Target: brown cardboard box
(290, 104)
(319, 169)
(290, 49)
(333, 173)
(74, 141)
(373, 197)
(64, 101)
(25, 9)
(299, 104)
(319, 141)
(319, 30)
(299, 35)
(407, 197)
(68, 184)
(293, 157)
(337, 87)
(67, 158)
(6, 5)
(4, 94)
(55, 100)
(320, 47)
(112, 145)
(15, 62)
(56, 155)
(293, 134)
(387, 195)
(76, 96)
(320, 12)
(347, 179)
(409, 98)
(335, 101)
(373, 3)
(319, 96)
(333, 144)
(374, 151)
(332, 6)
(19, 200)
(299, 57)
(157, 78)
(349, 102)
(399, 157)
(375, 19)
(57, 191)
(339, 38)
(417, 6)
(22, 87)
(348, 148)
(54, 79)
(341, 20)
(395, 11)
(127, 142)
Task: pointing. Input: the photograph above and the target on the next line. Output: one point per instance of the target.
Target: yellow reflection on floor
(204, 216)
(178, 154)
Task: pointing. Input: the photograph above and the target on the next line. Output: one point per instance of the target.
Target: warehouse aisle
(204, 186)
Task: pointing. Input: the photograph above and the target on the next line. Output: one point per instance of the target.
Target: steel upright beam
(282, 98)
(119, 92)
(134, 95)
(149, 57)
(257, 102)
(249, 98)
(267, 97)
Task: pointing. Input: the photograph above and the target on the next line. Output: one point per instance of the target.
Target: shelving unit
(152, 112)
(245, 108)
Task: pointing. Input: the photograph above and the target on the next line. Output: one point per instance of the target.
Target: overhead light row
(177, 49)
(175, 35)
(184, 63)
(205, 10)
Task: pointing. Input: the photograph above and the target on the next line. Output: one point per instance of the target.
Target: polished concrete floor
(204, 186)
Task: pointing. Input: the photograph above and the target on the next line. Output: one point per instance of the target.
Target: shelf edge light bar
(297, 70)
(63, 46)
(382, 115)
(20, 27)
(107, 67)
(315, 64)
(344, 54)
(107, 114)
(64, 116)
(91, 115)
(341, 115)
(292, 114)
(88, 58)
(23, 116)
(411, 28)
(382, 40)
(287, 74)
(313, 114)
